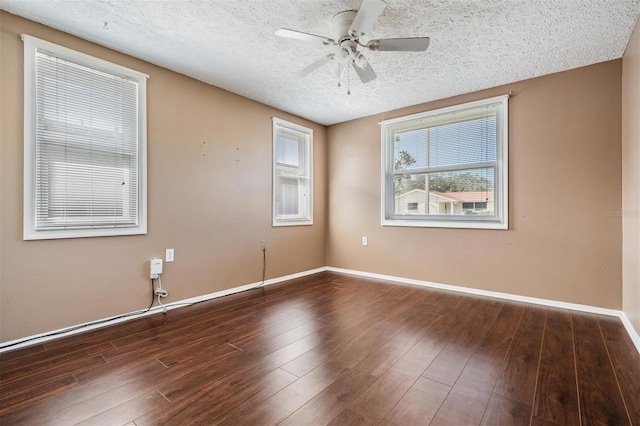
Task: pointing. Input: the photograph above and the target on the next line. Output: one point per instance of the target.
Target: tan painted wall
(631, 180)
(210, 201)
(565, 171)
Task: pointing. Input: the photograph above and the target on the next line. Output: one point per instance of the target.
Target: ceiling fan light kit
(348, 27)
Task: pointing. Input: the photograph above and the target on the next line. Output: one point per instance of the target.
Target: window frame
(501, 196)
(307, 156)
(30, 232)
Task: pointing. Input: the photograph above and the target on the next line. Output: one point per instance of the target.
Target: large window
(85, 145)
(448, 167)
(292, 174)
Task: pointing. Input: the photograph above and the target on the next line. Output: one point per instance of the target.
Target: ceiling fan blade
(314, 66)
(417, 44)
(283, 32)
(366, 74)
(367, 15)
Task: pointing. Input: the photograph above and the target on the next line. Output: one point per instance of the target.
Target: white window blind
(292, 177)
(439, 163)
(84, 145)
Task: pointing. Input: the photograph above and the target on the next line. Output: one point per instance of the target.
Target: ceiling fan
(348, 29)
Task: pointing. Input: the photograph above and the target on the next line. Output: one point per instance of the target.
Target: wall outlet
(263, 245)
(169, 255)
(365, 241)
(155, 268)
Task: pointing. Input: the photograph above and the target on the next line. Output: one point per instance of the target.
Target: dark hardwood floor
(333, 349)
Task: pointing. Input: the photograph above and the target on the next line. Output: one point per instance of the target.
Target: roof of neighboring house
(466, 197)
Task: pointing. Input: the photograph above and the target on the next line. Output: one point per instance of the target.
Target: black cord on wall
(264, 264)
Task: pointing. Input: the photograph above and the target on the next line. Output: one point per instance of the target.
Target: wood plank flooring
(333, 349)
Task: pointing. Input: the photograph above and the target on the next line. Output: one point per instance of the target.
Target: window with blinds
(447, 168)
(292, 174)
(85, 145)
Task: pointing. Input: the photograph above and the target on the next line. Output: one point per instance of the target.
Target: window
(470, 208)
(448, 167)
(85, 145)
(292, 174)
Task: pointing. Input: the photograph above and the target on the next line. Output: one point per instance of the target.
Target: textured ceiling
(475, 44)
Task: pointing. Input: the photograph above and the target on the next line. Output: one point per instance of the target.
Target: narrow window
(292, 174)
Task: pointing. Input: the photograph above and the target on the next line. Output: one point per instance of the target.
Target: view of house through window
(447, 167)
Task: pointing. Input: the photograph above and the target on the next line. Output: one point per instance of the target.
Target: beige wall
(209, 186)
(564, 172)
(209, 198)
(631, 180)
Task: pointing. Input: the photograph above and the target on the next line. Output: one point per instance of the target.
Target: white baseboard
(245, 287)
(494, 294)
(507, 296)
(81, 328)
(632, 331)
(68, 331)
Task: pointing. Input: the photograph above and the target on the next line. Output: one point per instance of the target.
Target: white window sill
(54, 234)
(459, 224)
(293, 223)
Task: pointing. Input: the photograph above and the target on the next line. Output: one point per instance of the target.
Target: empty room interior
(319, 212)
